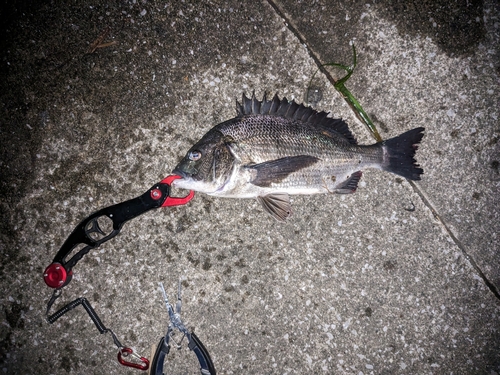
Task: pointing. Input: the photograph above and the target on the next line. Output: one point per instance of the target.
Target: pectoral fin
(277, 204)
(278, 169)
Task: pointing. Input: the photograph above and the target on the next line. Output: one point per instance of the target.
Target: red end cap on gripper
(55, 275)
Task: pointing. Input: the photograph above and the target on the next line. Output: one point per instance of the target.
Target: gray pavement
(356, 284)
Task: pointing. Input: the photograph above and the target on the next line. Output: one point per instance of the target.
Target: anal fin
(277, 205)
(350, 185)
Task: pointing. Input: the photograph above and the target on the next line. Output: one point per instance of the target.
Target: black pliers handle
(105, 224)
(194, 344)
(163, 348)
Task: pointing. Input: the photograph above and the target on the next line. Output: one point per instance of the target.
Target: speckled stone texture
(398, 278)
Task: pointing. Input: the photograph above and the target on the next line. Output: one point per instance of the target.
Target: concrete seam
(427, 203)
(457, 242)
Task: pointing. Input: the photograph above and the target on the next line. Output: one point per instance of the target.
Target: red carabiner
(129, 352)
(173, 201)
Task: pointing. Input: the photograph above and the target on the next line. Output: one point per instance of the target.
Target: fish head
(207, 165)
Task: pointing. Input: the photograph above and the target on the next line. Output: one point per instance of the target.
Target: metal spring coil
(70, 306)
(93, 315)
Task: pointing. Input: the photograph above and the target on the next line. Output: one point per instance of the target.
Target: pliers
(194, 343)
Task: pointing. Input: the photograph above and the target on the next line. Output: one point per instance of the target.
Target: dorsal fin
(291, 110)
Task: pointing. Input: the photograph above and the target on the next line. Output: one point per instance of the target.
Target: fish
(276, 148)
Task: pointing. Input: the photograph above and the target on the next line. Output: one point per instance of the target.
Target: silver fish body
(274, 148)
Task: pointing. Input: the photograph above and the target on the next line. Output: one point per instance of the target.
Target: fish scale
(275, 148)
(266, 138)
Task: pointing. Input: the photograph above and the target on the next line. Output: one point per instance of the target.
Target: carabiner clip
(125, 352)
(174, 201)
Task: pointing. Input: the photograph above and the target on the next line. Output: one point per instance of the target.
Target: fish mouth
(187, 181)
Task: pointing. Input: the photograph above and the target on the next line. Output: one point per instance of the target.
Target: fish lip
(219, 190)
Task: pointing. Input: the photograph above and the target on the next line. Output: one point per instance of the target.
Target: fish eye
(194, 155)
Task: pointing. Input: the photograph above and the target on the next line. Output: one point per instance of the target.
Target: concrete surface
(350, 285)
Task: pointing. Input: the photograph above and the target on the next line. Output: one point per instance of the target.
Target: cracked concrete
(350, 285)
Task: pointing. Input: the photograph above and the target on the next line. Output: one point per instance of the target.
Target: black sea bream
(274, 148)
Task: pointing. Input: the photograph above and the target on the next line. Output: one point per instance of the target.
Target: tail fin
(399, 154)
